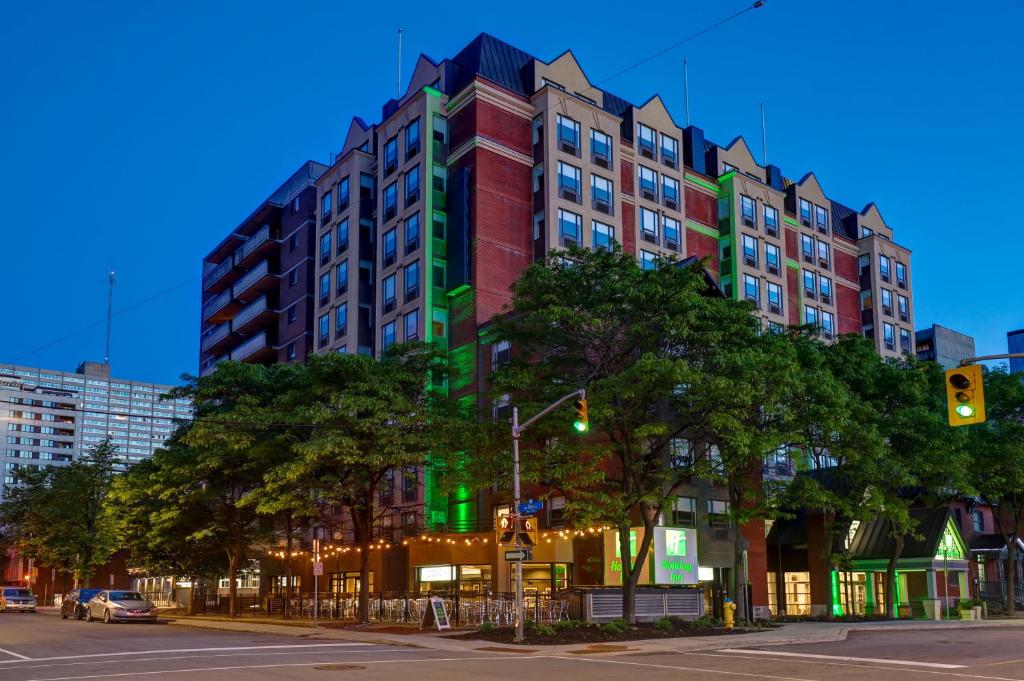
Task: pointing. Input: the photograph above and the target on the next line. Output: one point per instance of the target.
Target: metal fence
(464, 609)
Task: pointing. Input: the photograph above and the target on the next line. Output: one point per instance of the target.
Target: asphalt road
(43, 647)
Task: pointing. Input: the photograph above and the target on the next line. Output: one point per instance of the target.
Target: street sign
(505, 533)
(518, 555)
(531, 507)
(318, 568)
(435, 613)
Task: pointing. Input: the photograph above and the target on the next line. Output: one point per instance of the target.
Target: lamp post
(516, 432)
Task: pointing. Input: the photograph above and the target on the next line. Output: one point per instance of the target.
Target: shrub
(616, 626)
(487, 626)
(664, 623)
(707, 622)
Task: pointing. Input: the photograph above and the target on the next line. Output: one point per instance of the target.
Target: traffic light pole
(516, 432)
(984, 358)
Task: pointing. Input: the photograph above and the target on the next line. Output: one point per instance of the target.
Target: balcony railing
(254, 275)
(254, 344)
(210, 366)
(216, 273)
(212, 306)
(248, 312)
(214, 335)
(252, 243)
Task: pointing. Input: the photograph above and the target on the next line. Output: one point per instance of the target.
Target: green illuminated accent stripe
(895, 606)
(728, 176)
(837, 605)
(703, 229)
(790, 221)
(431, 91)
(702, 182)
(459, 291)
(792, 263)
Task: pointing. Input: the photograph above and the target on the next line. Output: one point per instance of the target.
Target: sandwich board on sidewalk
(437, 614)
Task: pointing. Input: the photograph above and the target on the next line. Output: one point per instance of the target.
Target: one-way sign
(518, 555)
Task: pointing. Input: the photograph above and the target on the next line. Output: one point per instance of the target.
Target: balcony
(219, 309)
(215, 337)
(252, 316)
(215, 281)
(257, 245)
(257, 280)
(210, 365)
(253, 350)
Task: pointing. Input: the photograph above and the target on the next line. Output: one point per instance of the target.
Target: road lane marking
(841, 658)
(724, 672)
(184, 650)
(12, 654)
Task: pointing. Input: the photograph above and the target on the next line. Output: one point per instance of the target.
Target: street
(42, 647)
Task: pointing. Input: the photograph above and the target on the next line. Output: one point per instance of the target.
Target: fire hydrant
(729, 611)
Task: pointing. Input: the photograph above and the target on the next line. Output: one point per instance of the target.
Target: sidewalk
(793, 633)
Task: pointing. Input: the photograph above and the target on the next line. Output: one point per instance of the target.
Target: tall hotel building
(52, 417)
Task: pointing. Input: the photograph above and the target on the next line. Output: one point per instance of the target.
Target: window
(771, 220)
(601, 194)
(727, 167)
(603, 235)
(390, 156)
(904, 307)
(343, 236)
(325, 207)
(501, 353)
(772, 258)
(440, 125)
(866, 231)
(752, 289)
(670, 191)
(670, 151)
(748, 209)
(600, 148)
(412, 233)
(411, 323)
(387, 336)
(774, 298)
(439, 275)
(412, 186)
(684, 512)
(390, 201)
(883, 268)
(412, 139)
(341, 277)
(649, 225)
(718, 518)
(569, 182)
(901, 274)
(325, 288)
(387, 293)
(810, 315)
(325, 329)
(648, 260)
(389, 247)
(568, 134)
(978, 520)
(672, 230)
(293, 314)
(438, 224)
(645, 141)
(343, 194)
(293, 277)
(648, 184)
(886, 302)
(905, 341)
(807, 247)
(749, 250)
(821, 219)
(440, 178)
(825, 286)
(293, 242)
(805, 213)
(325, 248)
(570, 227)
(341, 320)
(439, 322)
(889, 335)
(412, 280)
(291, 352)
(823, 254)
(828, 324)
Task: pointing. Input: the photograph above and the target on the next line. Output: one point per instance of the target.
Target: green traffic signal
(965, 411)
(580, 426)
(582, 422)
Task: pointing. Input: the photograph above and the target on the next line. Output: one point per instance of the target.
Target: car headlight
(118, 608)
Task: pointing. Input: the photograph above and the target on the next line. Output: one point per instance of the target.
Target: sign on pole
(318, 568)
(518, 555)
(531, 507)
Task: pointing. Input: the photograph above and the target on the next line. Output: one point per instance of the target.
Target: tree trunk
(1011, 575)
(738, 580)
(287, 591)
(890, 579)
(631, 570)
(362, 525)
(232, 583)
(829, 527)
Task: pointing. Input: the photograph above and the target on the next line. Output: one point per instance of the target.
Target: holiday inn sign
(672, 559)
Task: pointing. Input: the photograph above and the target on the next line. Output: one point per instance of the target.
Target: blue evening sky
(136, 134)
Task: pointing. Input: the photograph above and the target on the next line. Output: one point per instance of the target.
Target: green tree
(671, 370)
(997, 463)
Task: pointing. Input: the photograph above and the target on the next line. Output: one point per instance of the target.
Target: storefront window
(347, 582)
(468, 578)
(541, 578)
(798, 593)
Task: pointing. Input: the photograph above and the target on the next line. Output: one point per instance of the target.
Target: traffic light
(965, 395)
(582, 423)
(506, 533)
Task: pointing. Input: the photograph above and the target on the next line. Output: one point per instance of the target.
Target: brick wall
(701, 207)
(848, 307)
(846, 265)
(793, 294)
(702, 245)
(628, 227)
(626, 177)
(792, 248)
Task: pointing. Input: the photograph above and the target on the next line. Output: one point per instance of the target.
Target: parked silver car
(120, 606)
(17, 598)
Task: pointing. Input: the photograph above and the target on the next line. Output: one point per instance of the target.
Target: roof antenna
(110, 316)
(764, 137)
(686, 92)
(399, 69)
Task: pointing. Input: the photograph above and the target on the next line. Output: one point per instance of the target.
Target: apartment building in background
(945, 346)
(1015, 344)
(257, 286)
(52, 417)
